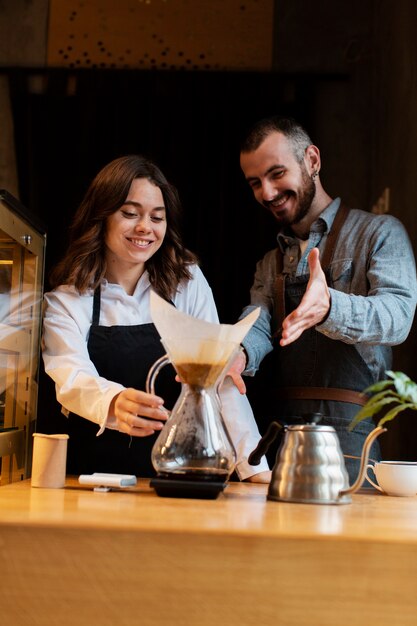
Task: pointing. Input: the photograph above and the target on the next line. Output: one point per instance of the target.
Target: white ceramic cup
(395, 478)
(49, 460)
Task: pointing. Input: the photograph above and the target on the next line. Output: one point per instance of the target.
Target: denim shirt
(374, 290)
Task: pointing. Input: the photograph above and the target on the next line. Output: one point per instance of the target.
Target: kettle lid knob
(312, 418)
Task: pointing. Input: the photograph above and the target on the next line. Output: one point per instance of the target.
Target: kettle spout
(364, 460)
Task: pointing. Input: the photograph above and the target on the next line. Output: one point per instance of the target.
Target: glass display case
(22, 260)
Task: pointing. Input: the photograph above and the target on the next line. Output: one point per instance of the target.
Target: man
(335, 295)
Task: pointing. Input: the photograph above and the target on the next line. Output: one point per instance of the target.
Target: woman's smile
(140, 243)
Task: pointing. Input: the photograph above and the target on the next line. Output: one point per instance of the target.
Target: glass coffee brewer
(194, 455)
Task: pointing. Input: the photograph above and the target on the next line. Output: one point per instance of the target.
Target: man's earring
(314, 175)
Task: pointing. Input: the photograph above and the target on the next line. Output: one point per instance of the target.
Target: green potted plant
(397, 390)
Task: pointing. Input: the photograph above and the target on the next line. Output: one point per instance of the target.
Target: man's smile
(278, 202)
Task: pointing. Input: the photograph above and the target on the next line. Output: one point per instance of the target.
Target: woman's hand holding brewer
(138, 413)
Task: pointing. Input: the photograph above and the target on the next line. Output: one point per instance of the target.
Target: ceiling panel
(162, 34)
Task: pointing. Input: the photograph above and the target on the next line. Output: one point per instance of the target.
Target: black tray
(169, 488)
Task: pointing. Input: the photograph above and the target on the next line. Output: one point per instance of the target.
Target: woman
(99, 340)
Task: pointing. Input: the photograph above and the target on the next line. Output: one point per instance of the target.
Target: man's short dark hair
(295, 133)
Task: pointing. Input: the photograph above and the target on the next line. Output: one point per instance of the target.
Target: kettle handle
(264, 443)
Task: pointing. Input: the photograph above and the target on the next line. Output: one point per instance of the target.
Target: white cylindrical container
(49, 460)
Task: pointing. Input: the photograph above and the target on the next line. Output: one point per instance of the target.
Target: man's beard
(304, 199)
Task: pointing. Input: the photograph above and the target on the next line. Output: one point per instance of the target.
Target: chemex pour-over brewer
(194, 455)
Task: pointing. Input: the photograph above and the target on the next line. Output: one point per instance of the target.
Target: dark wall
(69, 124)
(190, 123)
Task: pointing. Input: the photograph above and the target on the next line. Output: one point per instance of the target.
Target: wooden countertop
(120, 558)
(241, 509)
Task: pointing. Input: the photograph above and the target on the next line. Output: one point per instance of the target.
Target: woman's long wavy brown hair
(84, 263)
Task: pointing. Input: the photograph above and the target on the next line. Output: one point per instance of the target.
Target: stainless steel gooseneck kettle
(309, 465)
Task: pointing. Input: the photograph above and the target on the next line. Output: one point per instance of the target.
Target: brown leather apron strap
(279, 304)
(322, 393)
(333, 235)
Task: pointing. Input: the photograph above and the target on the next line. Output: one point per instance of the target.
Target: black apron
(122, 354)
(316, 374)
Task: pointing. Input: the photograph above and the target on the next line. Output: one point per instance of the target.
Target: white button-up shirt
(79, 387)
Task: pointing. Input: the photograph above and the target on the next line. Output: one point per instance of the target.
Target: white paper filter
(189, 339)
